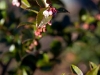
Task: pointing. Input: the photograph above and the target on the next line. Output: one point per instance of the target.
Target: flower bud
(50, 12)
(46, 13)
(16, 3)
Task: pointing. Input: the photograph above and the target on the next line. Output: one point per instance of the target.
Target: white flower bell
(16, 3)
(46, 13)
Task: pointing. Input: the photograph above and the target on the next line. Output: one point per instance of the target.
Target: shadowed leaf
(27, 34)
(33, 10)
(62, 10)
(25, 23)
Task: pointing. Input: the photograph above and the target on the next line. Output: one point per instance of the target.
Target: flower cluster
(16, 3)
(39, 31)
(97, 16)
(54, 11)
(32, 45)
(50, 12)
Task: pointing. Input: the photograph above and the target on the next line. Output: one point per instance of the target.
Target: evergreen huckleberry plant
(26, 63)
(48, 13)
(43, 18)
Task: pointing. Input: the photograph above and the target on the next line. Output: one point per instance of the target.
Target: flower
(50, 12)
(85, 26)
(54, 11)
(98, 16)
(39, 31)
(49, 23)
(16, 3)
(32, 45)
(46, 13)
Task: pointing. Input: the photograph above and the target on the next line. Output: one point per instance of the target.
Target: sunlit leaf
(2, 5)
(24, 72)
(45, 20)
(25, 4)
(63, 74)
(2, 21)
(44, 61)
(92, 65)
(40, 16)
(76, 70)
(41, 19)
(45, 57)
(93, 71)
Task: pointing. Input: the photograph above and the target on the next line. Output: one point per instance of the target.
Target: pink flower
(85, 26)
(98, 16)
(49, 23)
(39, 31)
(46, 13)
(16, 3)
(35, 42)
(54, 11)
(32, 45)
(50, 12)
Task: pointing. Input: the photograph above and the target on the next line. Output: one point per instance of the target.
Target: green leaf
(63, 74)
(3, 5)
(25, 4)
(76, 70)
(42, 3)
(40, 63)
(45, 20)
(41, 19)
(27, 34)
(45, 57)
(93, 71)
(25, 23)
(40, 16)
(24, 72)
(33, 10)
(92, 65)
(44, 61)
